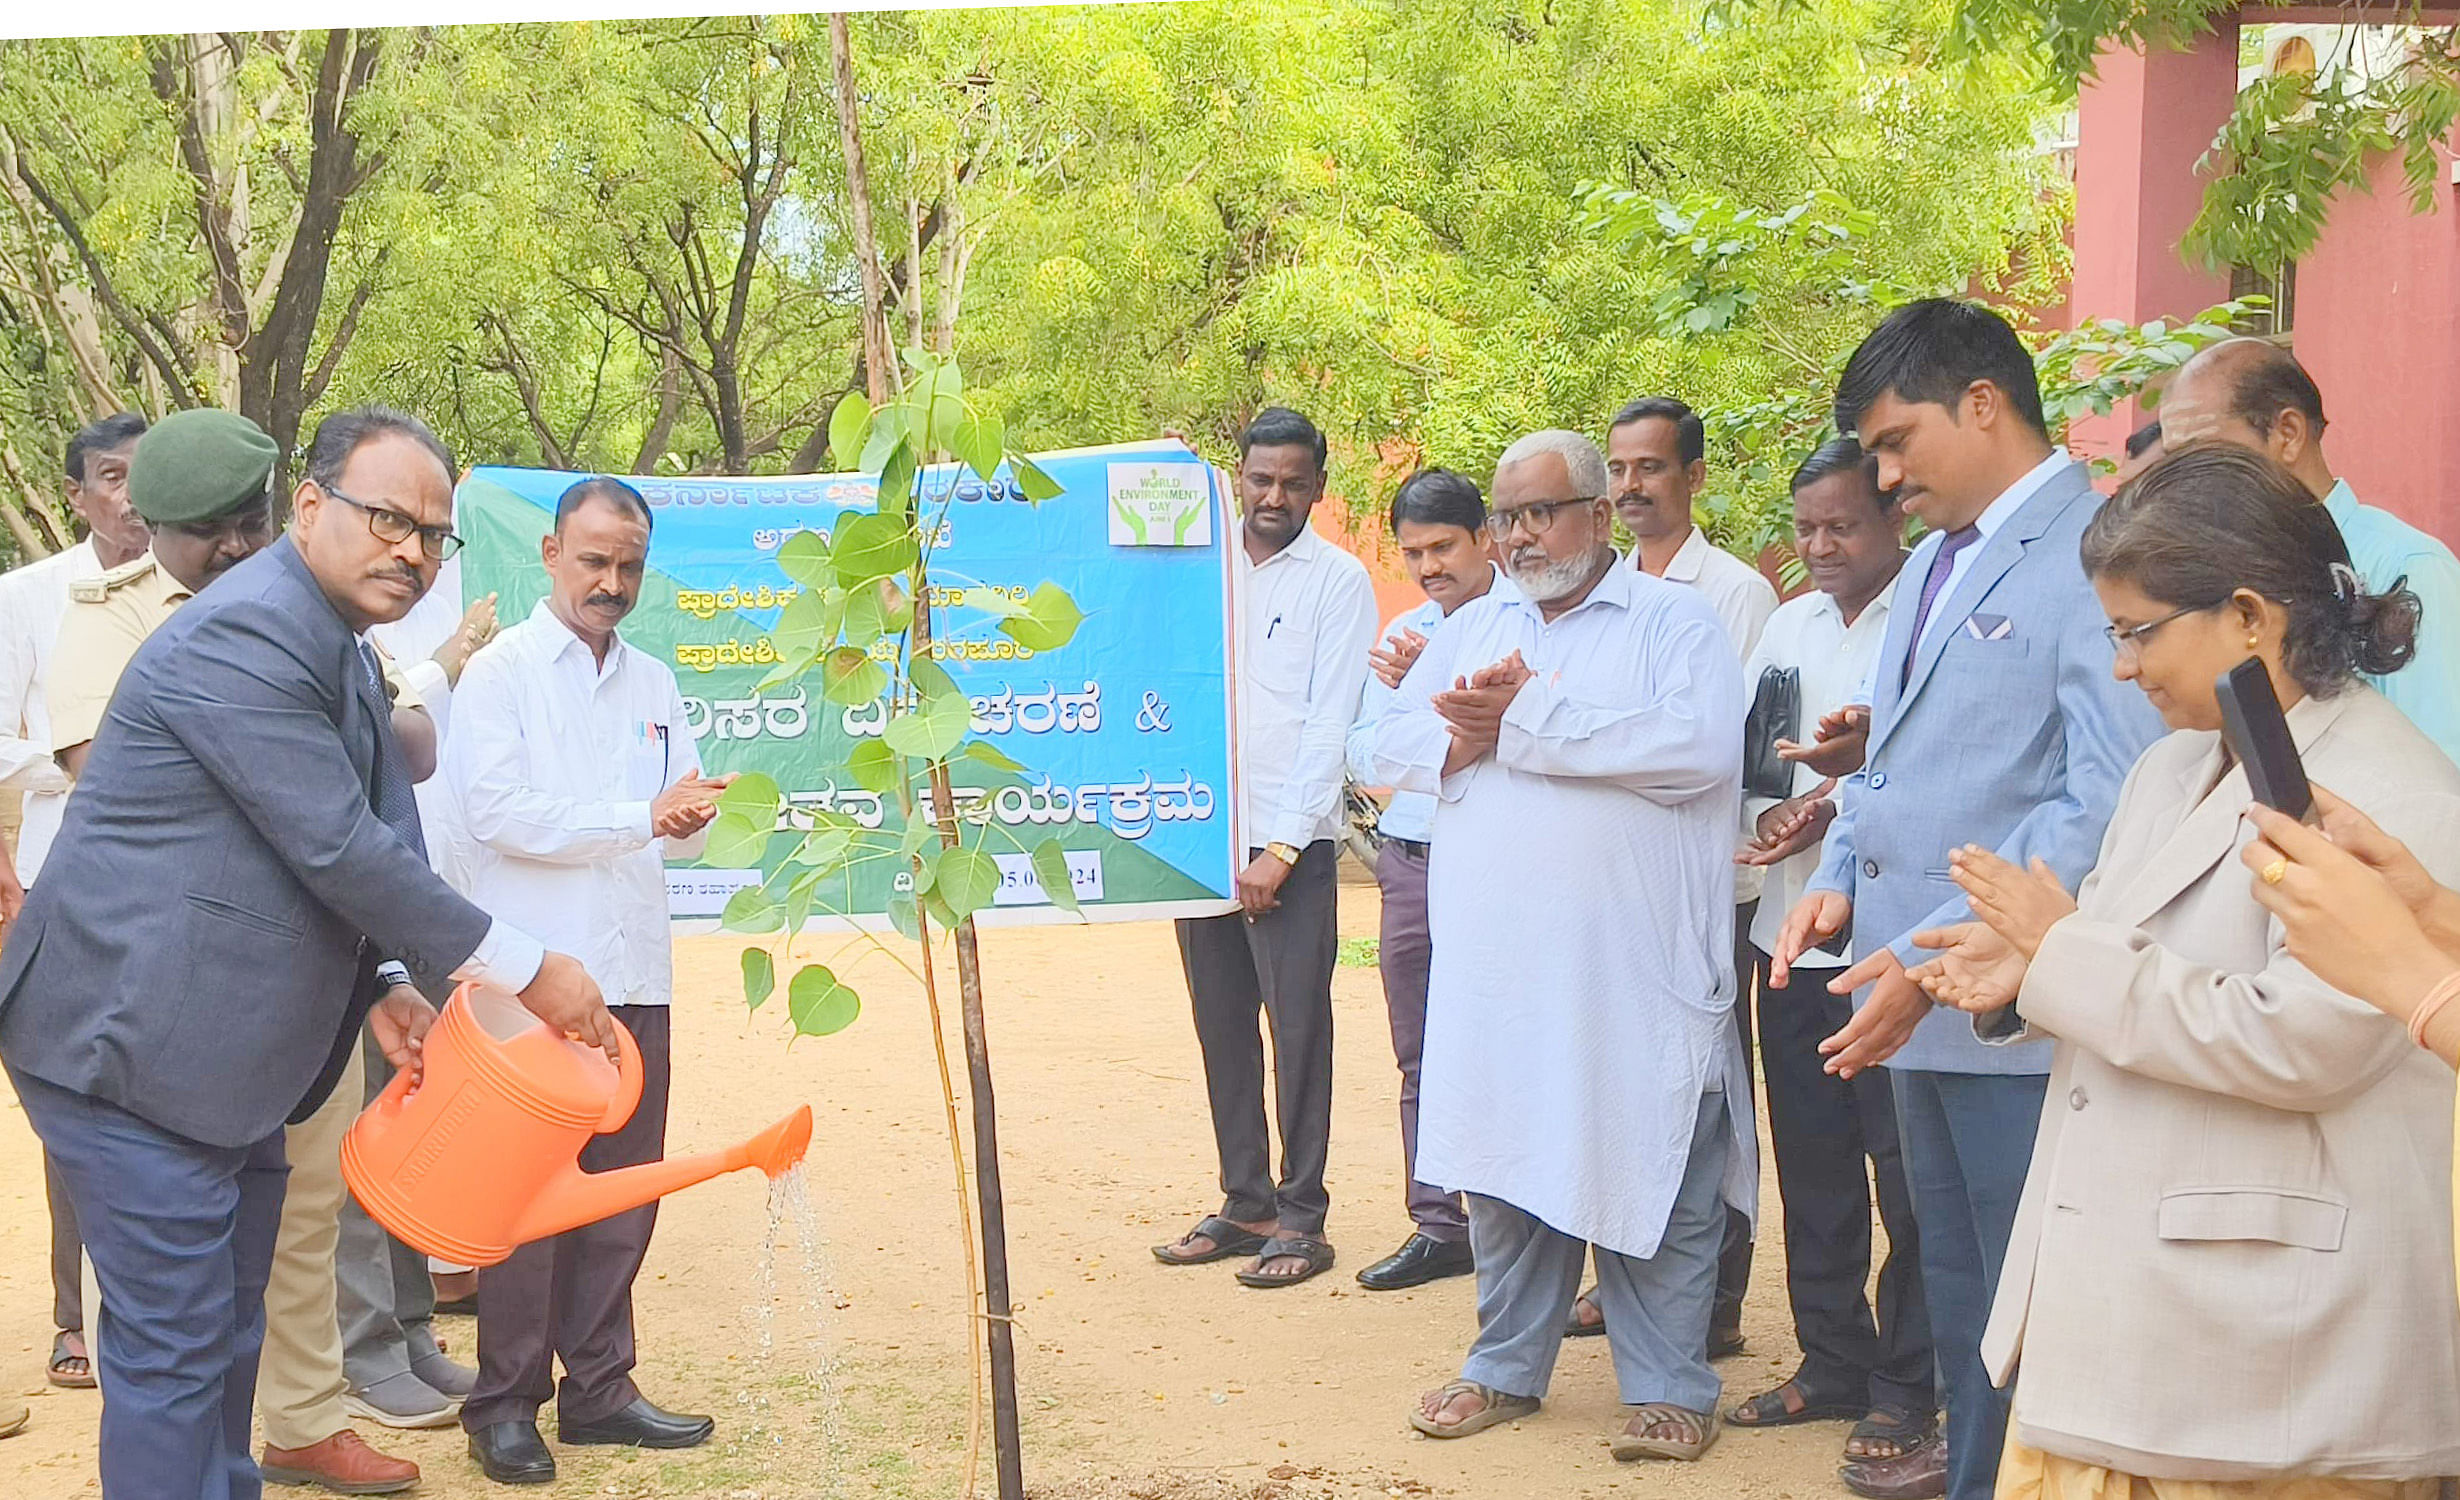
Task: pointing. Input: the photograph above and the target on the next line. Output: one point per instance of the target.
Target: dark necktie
(394, 801)
(1941, 565)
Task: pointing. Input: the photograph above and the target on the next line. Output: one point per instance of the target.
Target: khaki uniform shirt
(108, 618)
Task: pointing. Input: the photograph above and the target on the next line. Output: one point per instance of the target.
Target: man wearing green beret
(204, 481)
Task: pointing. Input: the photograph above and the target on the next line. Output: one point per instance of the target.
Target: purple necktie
(1941, 565)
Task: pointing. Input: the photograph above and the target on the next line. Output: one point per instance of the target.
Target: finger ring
(2275, 872)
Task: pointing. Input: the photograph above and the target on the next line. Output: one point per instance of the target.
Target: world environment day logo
(1160, 505)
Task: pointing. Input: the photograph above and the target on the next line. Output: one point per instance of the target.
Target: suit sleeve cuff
(507, 958)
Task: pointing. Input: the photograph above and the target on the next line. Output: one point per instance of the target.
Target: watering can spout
(574, 1197)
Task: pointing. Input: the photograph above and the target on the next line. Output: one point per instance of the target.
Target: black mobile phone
(2258, 735)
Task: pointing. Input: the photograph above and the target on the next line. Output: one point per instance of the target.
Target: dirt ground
(1138, 1380)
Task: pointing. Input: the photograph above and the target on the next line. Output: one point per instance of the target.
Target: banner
(1123, 734)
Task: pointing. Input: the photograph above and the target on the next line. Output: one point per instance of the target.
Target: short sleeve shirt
(108, 618)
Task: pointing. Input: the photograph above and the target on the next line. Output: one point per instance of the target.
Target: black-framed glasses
(2128, 640)
(1538, 516)
(391, 526)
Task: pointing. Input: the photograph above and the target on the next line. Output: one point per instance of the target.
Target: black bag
(1776, 714)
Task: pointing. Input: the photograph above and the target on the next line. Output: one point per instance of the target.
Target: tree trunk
(879, 359)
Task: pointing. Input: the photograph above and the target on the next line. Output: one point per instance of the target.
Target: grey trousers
(1404, 953)
(1280, 964)
(67, 1253)
(382, 1294)
(1656, 1309)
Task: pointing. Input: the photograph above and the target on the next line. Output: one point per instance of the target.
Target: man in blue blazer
(1995, 720)
(238, 866)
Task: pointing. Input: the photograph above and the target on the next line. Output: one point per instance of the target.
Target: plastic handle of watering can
(628, 1089)
(396, 1091)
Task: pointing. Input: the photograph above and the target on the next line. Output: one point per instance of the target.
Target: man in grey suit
(199, 956)
(1995, 720)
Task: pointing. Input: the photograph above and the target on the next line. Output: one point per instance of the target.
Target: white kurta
(1581, 897)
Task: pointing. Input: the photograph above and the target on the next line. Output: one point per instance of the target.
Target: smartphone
(2258, 735)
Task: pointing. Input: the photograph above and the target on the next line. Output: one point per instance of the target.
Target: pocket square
(1989, 627)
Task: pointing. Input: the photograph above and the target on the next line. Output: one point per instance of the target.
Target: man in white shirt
(1583, 1084)
(1439, 522)
(1875, 1371)
(1306, 619)
(32, 599)
(1657, 461)
(576, 775)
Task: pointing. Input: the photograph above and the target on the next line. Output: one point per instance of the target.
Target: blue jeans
(181, 1235)
(1968, 1141)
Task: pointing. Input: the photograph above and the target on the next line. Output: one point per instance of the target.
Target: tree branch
(177, 374)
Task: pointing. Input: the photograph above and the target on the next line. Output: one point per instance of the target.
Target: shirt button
(1878, 780)
(1870, 869)
(2077, 1098)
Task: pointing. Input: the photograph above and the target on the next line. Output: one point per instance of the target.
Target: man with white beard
(1584, 743)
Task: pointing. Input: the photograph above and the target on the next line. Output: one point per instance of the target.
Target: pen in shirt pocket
(1269, 629)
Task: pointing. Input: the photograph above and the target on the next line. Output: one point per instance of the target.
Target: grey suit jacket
(199, 949)
(2234, 1253)
(2010, 733)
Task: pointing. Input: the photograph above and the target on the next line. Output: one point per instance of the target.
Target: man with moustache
(1306, 618)
(1994, 720)
(238, 869)
(1657, 459)
(1583, 1084)
(576, 775)
(1439, 523)
(2255, 394)
(33, 597)
(1875, 1371)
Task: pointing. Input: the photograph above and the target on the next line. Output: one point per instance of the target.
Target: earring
(2253, 640)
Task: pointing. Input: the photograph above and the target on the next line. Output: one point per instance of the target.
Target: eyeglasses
(389, 525)
(2128, 640)
(1537, 516)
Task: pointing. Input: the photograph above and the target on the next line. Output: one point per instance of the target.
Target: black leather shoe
(513, 1453)
(1418, 1261)
(642, 1425)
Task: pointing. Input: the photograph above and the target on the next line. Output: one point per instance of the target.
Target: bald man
(2255, 394)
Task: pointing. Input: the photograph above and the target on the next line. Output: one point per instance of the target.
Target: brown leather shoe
(341, 1463)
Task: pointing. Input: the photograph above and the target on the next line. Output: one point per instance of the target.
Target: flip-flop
(1768, 1409)
(1230, 1242)
(1628, 1446)
(1573, 1328)
(1317, 1255)
(1499, 1408)
(61, 1354)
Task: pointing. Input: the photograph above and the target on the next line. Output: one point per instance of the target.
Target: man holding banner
(1306, 619)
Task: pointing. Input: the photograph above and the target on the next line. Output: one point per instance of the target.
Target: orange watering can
(485, 1156)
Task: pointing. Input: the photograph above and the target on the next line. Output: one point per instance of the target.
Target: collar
(1684, 566)
(1877, 609)
(563, 641)
(2342, 502)
(2012, 499)
(1618, 589)
(1305, 547)
(1498, 584)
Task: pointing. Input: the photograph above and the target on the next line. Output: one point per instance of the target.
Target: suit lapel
(2208, 834)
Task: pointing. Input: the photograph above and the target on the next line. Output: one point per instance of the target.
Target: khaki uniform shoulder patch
(101, 587)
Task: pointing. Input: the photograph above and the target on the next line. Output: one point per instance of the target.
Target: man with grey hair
(1583, 739)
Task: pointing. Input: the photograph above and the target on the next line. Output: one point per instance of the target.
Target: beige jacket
(2234, 1253)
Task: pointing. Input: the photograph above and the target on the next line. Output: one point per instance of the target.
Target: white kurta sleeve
(1407, 743)
(1677, 736)
(500, 806)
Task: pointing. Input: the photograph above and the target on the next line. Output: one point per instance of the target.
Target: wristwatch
(1286, 853)
(391, 975)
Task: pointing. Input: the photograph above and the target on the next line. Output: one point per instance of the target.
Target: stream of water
(803, 1374)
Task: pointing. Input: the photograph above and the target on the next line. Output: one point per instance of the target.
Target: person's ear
(2291, 436)
(306, 500)
(1982, 399)
(1695, 474)
(549, 550)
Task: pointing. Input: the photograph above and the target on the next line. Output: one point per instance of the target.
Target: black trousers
(569, 1296)
(1281, 965)
(1824, 1129)
(1734, 1254)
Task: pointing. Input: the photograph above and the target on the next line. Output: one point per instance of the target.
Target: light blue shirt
(1409, 815)
(2384, 548)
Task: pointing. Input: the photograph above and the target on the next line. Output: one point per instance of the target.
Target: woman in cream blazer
(2231, 1268)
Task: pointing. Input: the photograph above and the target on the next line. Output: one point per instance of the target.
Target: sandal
(1789, 1404)
(69, 1370)
(1230, 1242)
(1317, 1255)
(1895, 1425)
(1498, 1408)
(1573, 1328)
(1633, 1443)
